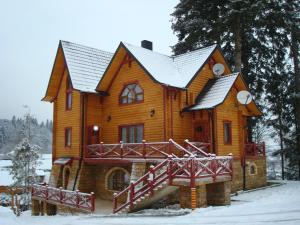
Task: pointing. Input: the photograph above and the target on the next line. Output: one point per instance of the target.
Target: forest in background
(261, 40)
(13, 131)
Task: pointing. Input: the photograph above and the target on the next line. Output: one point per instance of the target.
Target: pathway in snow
(277, 205)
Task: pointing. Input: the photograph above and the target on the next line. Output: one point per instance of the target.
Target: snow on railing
(146, 150)
(74, 199)
(188, 169)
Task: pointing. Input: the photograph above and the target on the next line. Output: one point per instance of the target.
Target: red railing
(74, 199)
(255, 149)
(199, 149)
(146, 150)
(173, 169)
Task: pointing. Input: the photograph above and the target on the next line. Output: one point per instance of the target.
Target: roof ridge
(200, 48)
(85, 46)
(147, 49)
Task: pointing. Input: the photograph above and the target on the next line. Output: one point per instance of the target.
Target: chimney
(147, 44)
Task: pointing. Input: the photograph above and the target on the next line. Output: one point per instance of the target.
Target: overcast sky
(30, 31)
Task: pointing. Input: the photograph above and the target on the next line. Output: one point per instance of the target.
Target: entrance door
(202, 131)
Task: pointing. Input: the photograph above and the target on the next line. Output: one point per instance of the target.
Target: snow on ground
(276, 205)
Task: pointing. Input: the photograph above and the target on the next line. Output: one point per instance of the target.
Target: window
(227, 132)
(132, 93)
(118, 180)
(69, 95)
(252, 169)
(68, 137)
(132, 134)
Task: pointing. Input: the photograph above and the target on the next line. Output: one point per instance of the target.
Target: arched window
(117, 180)
(132, 93)
(253, 169)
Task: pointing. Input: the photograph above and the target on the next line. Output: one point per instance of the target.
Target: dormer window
(69, 95)
(132, 93)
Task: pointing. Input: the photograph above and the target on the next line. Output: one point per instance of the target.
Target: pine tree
(23, 169)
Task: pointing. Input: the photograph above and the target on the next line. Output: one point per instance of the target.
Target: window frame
(125, 85)
(128, 126)
(225, 123)
(66, 136)
(69, 92)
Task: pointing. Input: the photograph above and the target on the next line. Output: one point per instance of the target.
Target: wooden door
(202, 131)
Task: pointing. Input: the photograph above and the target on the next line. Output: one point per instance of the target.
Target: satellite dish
(244, 97)
(218, 69)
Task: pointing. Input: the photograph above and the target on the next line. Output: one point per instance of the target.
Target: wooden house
(133, 124)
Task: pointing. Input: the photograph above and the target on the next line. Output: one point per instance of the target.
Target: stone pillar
(137, 171)
(192, 197)
(201, 196)
(218, 193)
(50, 209)
(35, 207)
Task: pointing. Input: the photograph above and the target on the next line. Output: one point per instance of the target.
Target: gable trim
(206, 61)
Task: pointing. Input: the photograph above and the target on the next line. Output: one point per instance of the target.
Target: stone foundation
(189, 198)
(218, 193)
(259, 179)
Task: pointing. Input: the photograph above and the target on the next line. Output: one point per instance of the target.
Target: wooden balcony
(255, 149)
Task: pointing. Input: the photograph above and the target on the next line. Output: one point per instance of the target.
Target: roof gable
(216, 91)
(176, 71)
(85, 65)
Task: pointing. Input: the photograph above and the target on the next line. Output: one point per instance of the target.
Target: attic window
(132, 93)
(69, 95)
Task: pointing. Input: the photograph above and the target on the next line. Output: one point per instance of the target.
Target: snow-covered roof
(86, 65)
(214, 92)
(177, 70)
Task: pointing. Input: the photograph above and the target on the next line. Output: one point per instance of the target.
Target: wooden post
(93, 201)
(170, 167)
(151, 179)
(77, 198)
(115, 202)
(144, 149)
(121, 149)
(193, 198)
(60, 194)
(131, 194)
(101, 148)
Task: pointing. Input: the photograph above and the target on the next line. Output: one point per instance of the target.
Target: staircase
(159, 180)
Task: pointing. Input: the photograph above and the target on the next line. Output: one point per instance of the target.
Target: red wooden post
(151, 179)
(214, 169)
(230, 165)
(77, 198)
(121, 149)
(192, 172)
(93, 201)
(144, 149)
(115, 202)
(60, 195)
(170, 167)
(170, 149)
(47, 194)
(101, 148)
(131, 194)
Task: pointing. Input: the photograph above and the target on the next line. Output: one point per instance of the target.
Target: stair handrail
(198, 150)
(150, 184)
